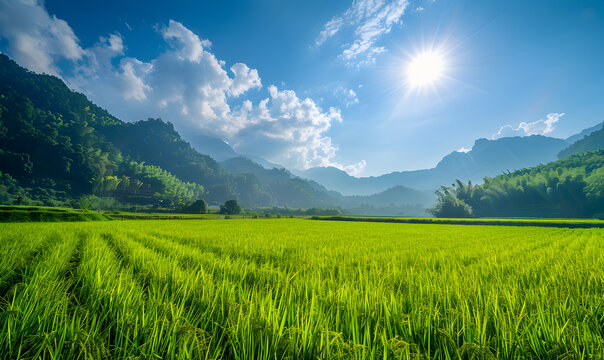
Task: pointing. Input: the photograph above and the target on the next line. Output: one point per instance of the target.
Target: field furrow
(17, 255)
(180, 297)
(37, 314)
(296, 289)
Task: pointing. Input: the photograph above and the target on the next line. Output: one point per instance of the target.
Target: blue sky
(317, 83)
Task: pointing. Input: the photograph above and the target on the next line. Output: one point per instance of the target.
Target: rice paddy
(299, 289)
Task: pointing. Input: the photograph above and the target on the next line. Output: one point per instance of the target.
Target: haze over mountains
(486, 158)
(590, 141)
(58, 146)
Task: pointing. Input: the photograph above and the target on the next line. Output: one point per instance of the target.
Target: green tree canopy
(230, 207)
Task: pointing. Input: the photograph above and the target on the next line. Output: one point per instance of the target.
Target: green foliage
(449, 201)
(58, 146)
(46, 214)
(156, 142)
(96, 203)
(54, 149)
(230, 207)
(570, 187)
(299, 289)
(196, 207)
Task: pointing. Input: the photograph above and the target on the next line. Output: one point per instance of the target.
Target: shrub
(230, 207)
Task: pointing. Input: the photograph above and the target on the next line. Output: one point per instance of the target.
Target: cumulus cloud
(354, 169)
(190, 46)
(290, 130)
(245, 79)
(35, 39)
(370, 20)
(464, 149)
(185, 84)
(129, 81)
(539, 127)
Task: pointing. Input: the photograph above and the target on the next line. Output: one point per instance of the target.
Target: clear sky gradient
(324, 82)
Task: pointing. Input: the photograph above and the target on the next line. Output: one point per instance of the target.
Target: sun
(425, 69)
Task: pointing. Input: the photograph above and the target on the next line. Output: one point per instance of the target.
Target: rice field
(299, 289)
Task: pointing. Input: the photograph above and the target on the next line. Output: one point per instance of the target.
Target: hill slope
(290, 190)
(56, 146)
(570, 187)
(591, 142)
(574, 138)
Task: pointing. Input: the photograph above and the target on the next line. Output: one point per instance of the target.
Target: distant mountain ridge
(592, 141)
(221, 151)
(486, 158)
(398, 200)
(574, 138)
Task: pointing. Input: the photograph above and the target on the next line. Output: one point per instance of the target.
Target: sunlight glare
(425, 69)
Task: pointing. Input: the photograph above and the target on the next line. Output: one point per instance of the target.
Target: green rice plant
(301, 289)
(35, 312)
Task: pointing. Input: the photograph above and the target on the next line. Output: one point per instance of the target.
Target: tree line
(569, 187)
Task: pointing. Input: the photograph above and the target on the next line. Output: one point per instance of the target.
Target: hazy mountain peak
(574, 138)
(214, 147)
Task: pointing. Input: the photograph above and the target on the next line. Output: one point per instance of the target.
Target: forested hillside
(570, 187)
(51, 155)
(57, 147)
(591, 142)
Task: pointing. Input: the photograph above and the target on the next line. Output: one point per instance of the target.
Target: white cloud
(186, 85)
(245, 79)
(348, 96)
(354, 169)
(371, 19)
(190, 45)
(37, 40)
(419, 8)
(130, 84)
(539, 127)
(464, 149)
(329, 30)
(287, 130)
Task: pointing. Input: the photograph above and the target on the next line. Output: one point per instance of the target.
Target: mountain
(290, 190)
(211, 146)
(395, 196)
(487, 158)
(282, 184)
(222, 151)
(398, 200)
(263, 162)
(574, 138)
(591, 142)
